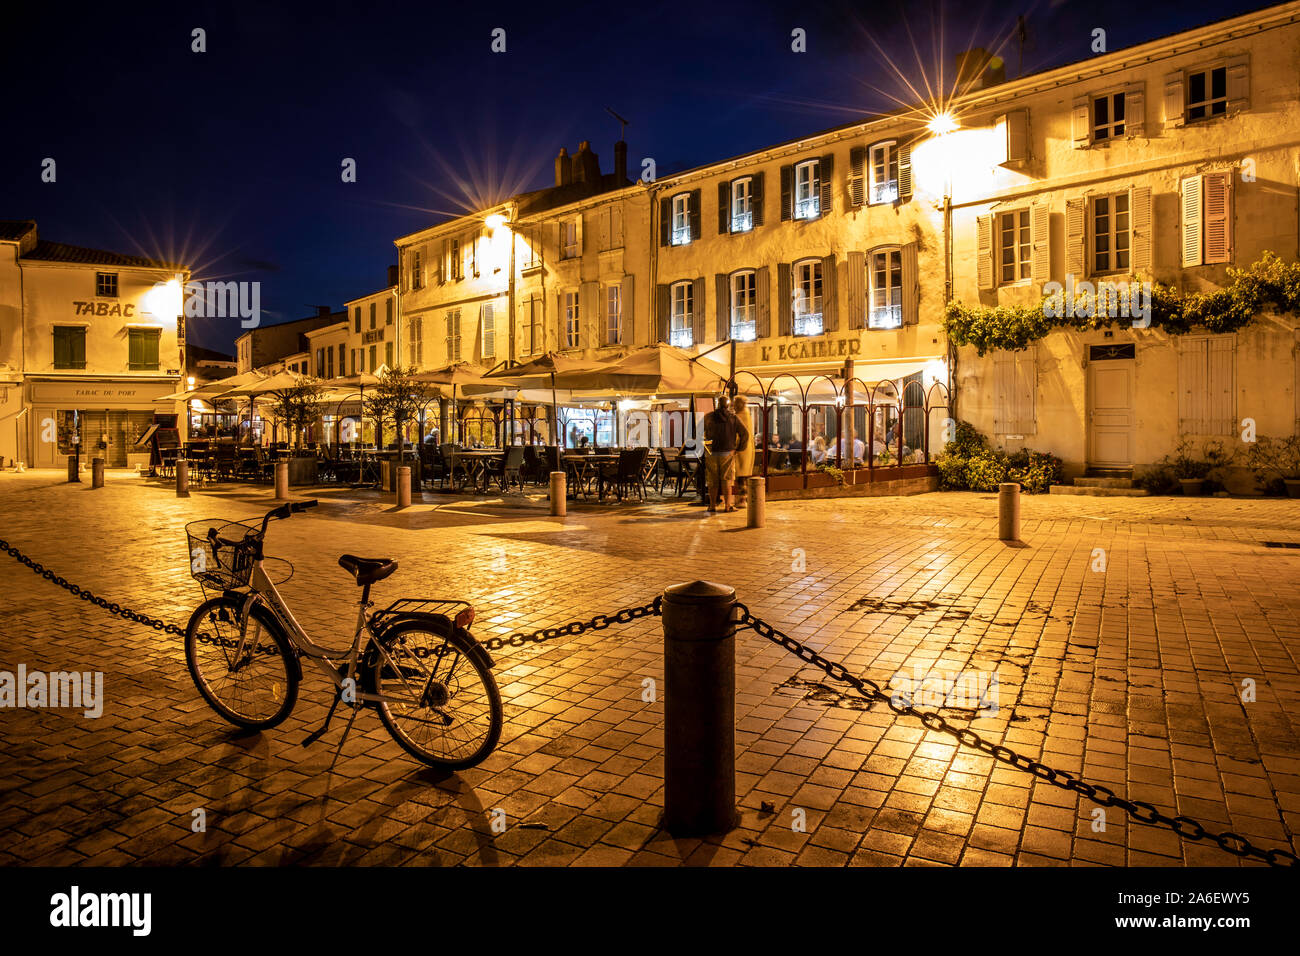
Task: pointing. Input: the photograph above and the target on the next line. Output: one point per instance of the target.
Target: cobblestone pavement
(1132, 676)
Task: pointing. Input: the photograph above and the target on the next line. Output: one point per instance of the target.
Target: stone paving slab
(1131, 676)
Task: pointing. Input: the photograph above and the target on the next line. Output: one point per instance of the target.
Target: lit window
(1013, 245)
(886, 290)
(884, 172)
(681, 234)
(1107, 117)
(570, 249)
(807, 190)
(808, 297)
(1110, 233)
(1207, 93)
(742, 205)
(744, 307)
(681, 331)
(614, 314)
(572, 320)
(106, 284)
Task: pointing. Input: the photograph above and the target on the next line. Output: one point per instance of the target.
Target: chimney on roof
(978, 69)
(323, 310)
(586, 165)
(392, 276)
(563, 170)
(620, 162)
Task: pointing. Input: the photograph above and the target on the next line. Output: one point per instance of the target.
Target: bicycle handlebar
(285, 510)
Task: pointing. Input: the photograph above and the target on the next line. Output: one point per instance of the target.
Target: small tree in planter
(1193, 468)
(399, 397)
(298, 406)
(1276, 461)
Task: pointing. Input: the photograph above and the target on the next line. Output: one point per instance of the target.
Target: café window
(69, 347)
(1207, 93)
(1107, 117)
(744, 299)
(808, 297)
(681, 230)
(106, 284)
(681, 329)
(614, 315)
(807, 190)
(885, 282)
(571, 247)
(884, 172)
(1014, 246)
(142, 347)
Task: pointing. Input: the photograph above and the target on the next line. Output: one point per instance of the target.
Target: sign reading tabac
(811, 349)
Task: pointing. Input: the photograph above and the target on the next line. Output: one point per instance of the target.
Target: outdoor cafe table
(586, 467)
(476, 461)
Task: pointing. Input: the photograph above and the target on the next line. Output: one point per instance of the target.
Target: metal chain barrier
(574, 628)
(1141, 811)
(156, 623)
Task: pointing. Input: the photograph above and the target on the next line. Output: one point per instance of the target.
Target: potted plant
(1275, 460)
(298, 407)
(1192, 469)
(399, 397)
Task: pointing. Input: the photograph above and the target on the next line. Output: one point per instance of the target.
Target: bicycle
(429, 679)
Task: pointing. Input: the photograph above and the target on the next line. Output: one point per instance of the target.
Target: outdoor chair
(450, 466)
(531, 470)
(507, 470)
(626, 474)
(675, 469)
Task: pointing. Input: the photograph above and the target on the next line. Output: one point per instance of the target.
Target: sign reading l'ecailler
(810, 349)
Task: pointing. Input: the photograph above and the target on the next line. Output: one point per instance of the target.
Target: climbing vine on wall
(1268, 284)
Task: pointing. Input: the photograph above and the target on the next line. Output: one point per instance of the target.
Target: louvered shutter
(665, 221)
(1075, 231)
(1017, 130)
(763, 302)
(904, 172)
(784, 300)
(1139, 204)
(488, 314)
(1222, 352)
(984, 251)
(756, 200)
(627, 322)
(1191, 237)
(589, 313)
(911, 284)
(442, 263)
(1040, 230)
(722, 301)
(1081, 122)
(1175, 103)
(830, 296)
(1217, 216)
(1135, 110)
(1238, 81)
(857, 175)
(724, 200)
(577, 232)
(698, 324)
(561, 323)
(696, 217)
(857, 290)
(787, 189)
(1026, 388)
(1192, 386)
(663, 306)
(825, 170)
(1004, 390)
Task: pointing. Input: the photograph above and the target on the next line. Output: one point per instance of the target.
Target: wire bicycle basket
(222, 554)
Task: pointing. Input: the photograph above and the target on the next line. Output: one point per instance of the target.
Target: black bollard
(699, 709)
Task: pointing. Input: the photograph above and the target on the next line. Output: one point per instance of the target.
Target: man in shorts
(721, 432)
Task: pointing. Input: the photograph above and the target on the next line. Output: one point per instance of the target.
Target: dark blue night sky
(231, 158)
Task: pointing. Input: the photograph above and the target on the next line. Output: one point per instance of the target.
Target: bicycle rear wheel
(440, 701)
(255, 689)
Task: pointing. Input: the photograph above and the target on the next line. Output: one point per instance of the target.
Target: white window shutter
(1017, 129)
(1217, 216)
(904, 171)
(984, 251)
(1081, 122)
(1040, 229)
(1004, 386)
(1075, 232)
(1192, 386)
(1026, 388)
(1140, 219)
(488, 313)
(1135, 110)
(1175, 104)
(1238, 77)
(579, 232)
(627, 322)
(1191, 237)
(1221, 361)
(589, 313)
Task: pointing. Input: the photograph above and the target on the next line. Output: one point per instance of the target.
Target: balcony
(885, 317)
(742, 222)
(682, 338)
(743, 326)
(681, 236)
(807, 208)
(885, 192)
(808, 323)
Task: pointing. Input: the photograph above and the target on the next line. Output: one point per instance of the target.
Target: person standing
(721, 433)
(744, 445)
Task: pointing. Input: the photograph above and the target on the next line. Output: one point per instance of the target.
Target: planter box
(1192, 486)
(1292, 487)
(302, 471)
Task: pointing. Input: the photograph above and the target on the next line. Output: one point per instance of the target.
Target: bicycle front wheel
(255, 686)
(437, 695)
